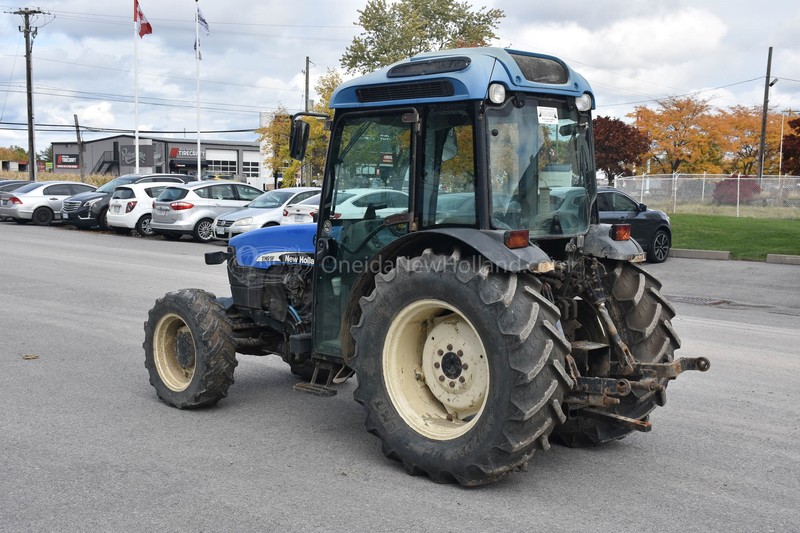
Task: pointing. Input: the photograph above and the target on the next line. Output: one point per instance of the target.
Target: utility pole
(305, 108)
(80, 148)
(762, 146)
(30, 35)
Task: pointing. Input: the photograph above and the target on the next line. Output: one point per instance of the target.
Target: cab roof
(457, 75)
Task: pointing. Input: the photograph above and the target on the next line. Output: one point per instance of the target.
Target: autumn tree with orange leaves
(682, 133)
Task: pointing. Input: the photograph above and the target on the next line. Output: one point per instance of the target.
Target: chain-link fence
(714, 194)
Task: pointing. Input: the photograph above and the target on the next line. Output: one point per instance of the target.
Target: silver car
(39, 201)
(191, 209)
(266, 210)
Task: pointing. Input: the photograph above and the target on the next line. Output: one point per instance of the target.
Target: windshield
(271, 199)
(540, 167)
(111, 185)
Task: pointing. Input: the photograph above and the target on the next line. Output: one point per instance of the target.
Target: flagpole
(136, 83)
(197, 64)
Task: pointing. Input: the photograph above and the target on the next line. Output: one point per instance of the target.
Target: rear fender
(598, 243)
(487, 244)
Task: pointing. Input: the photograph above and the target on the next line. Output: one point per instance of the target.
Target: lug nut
(440, 352)
(461, 379)
(441, 378)
(452, 384)
(449, 347)
(436, 365)
(465, 366)
(460, 353)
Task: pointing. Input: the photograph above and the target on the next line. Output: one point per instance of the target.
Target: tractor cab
(472, 144)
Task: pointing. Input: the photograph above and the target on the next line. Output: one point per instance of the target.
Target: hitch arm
(672, 369)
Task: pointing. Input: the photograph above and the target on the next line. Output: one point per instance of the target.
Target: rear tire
(203, 230)
(643, 318)
(143, 226)
(42, 216)
(189, 349)
(659, 247)
(460, 369)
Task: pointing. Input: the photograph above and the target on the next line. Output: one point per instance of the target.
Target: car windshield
(170, 194)
(111, 185)
(539, 162)
(30, 187)
(313, 200)
(271, 199)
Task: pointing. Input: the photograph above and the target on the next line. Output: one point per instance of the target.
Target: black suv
(650, 227)
(88, 209)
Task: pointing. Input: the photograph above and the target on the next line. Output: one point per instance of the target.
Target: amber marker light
(517, 238)
(621, 232)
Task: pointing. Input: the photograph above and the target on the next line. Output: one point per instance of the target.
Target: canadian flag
(142, 25)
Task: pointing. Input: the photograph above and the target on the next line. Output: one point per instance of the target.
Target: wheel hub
(455, 367)
(184, 348)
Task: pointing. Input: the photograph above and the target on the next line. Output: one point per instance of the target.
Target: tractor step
(316, 389)
(618, 420)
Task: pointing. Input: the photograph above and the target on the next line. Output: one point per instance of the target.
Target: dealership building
(117, 155)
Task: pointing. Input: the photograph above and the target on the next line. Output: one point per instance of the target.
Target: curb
(783, 259)
(701, 254)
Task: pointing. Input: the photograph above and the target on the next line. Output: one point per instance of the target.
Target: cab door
(367, 152)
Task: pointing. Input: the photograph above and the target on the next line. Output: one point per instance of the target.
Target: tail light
(621, 232)
(131, 205)
(180, 206)
(14, 200)
(518, 238)
(313, 215)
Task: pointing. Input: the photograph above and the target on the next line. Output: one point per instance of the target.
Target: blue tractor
(484, 311)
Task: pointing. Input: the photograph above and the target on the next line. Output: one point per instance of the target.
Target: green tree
(619, 147)
(396, 30)
(276, 136)
(46, 154)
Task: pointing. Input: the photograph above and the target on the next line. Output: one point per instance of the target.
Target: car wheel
(102, 221)
(43, 216)
(143, 226)
(204, 230)
(659, 247)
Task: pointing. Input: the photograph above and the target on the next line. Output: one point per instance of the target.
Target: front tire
(643, 319)
(189, 349)
(460, 369)
(43, 216)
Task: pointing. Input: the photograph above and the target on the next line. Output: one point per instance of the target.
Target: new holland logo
(283, 257)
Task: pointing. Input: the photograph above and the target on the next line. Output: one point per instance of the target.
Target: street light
(767, 85)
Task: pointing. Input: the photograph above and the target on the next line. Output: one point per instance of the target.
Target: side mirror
(642, 208)
(298, 139)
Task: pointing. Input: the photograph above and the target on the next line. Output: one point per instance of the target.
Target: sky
(632, 52)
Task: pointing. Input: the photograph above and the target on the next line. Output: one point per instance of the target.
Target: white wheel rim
(435, 369)
(176, 376)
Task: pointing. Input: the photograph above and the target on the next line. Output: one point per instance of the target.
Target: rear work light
(518, 238)
(620, 232)
(14, 200)
(131, 205)
(180, 206)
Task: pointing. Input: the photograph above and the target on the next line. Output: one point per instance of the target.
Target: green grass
(745, 238)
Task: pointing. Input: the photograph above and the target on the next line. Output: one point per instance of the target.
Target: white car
(131, 207)
(39, 201)
(351, 204)
(264, 211)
